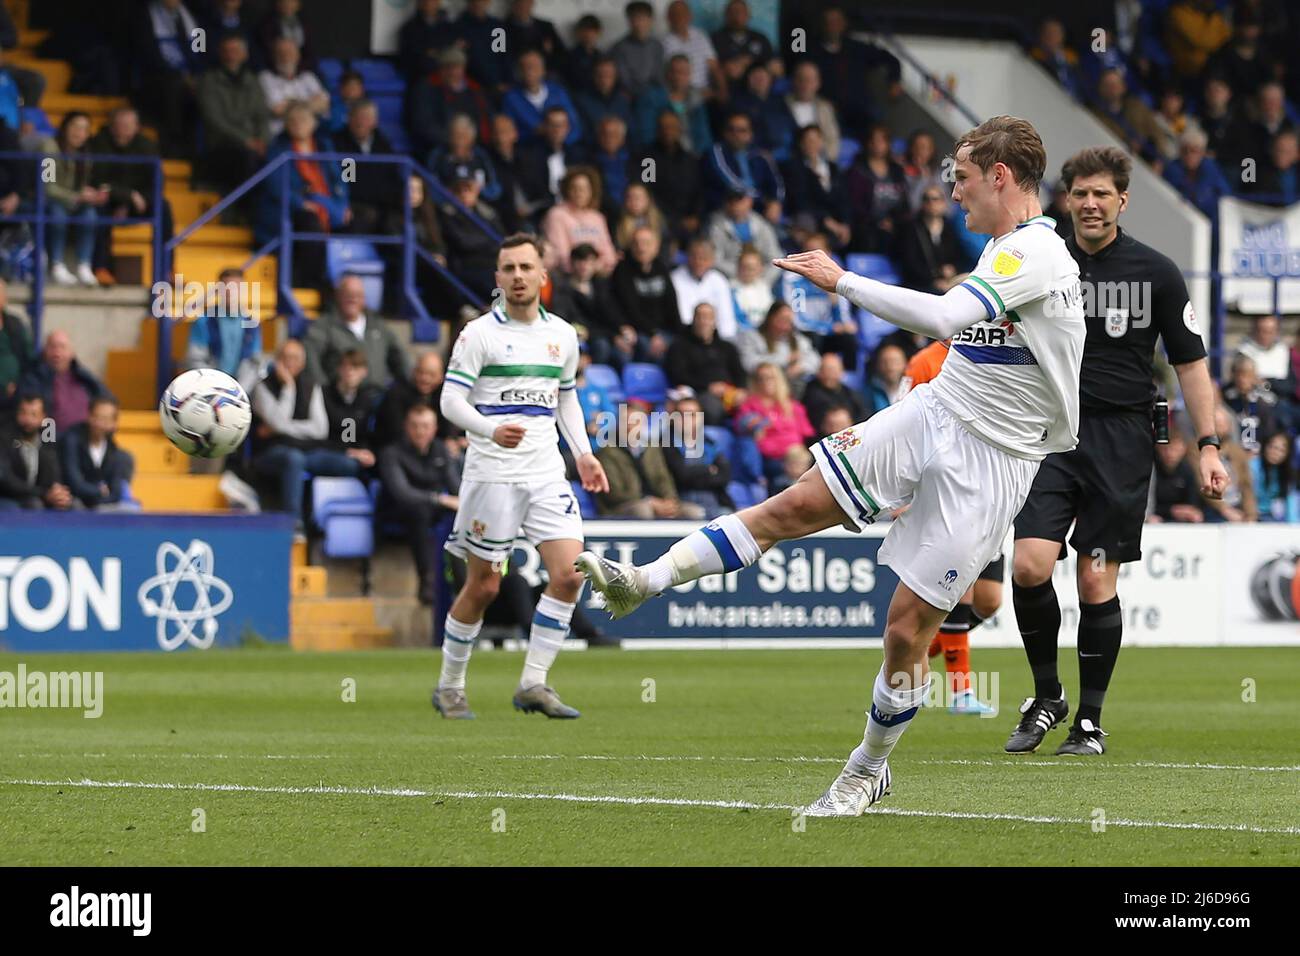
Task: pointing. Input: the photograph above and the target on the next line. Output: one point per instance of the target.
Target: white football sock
(457, 645)
(891, 711)
(550, 627)
(720, 546)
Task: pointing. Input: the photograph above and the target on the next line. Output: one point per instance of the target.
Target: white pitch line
(632, 801)
(1010, 762)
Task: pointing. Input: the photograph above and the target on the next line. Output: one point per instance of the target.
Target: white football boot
(850, 794)
(624, 587)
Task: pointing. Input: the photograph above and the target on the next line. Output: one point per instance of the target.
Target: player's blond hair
(1011, 141)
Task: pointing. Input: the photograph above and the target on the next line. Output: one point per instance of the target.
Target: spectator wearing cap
(639, 54)
(708, 365)
(422, 39)
(736, 164)
(737, 46)
(601, 96)
(529, 100)
(735, 227)
(582, 298)
(476, 34)
(286, 82)
(444, 94)
(675, 94)
(816, 196)
(580, 60)
(698, 280)
(235, 117)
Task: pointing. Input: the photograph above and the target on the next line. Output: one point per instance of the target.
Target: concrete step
(298, 553)
(154, 454)
(320, 638)
(31, 39)
(177, 171)
(308, 582)
(186, 493)
(410, 621)
(132, 238)
(310, 612)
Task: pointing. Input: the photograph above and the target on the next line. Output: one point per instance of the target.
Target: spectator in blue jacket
(226, 336)
(603, 96)
(529, 100)
(735, 164)
(95, 469)
(476, 33)
(1275, 484)
(1197, 177)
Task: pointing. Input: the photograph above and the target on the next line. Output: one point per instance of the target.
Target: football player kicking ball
(962, 450)
(509, 382)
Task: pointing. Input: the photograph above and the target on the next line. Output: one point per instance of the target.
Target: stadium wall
(995, 77)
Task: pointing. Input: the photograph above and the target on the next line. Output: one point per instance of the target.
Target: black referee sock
(957, 621)
(975, 620)
(1101, 627)
(1039, 615)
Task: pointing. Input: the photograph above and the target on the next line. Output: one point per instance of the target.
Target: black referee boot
(1039, 715)
(1084, 740)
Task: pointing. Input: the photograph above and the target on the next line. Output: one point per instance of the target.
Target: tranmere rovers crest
(843, 441)
(477, 529)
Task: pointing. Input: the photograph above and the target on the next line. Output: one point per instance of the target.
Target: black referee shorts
(995, 570)
(1101, 486)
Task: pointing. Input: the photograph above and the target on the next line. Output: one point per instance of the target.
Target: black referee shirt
(1132, 295)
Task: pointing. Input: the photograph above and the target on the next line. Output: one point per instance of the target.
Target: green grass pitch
(286, 772)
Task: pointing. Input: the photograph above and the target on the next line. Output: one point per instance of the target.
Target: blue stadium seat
(848, 149)
(723, 439)
(353, 255)
(330, 71)
(379, 76)
(586, 503)
(644, 381)
(606, 377)
(853, 381)
(872, 266)
(741, 495)
(343, 510)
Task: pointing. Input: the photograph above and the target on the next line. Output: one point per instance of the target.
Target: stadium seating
(344, 512)
(360, 258)
(645, 382)
(606, 378)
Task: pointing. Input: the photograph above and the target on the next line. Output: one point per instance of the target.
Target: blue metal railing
(424, 328)
(39, 216)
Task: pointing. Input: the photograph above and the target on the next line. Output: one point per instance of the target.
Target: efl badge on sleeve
(1008, 262)
(1116, 322)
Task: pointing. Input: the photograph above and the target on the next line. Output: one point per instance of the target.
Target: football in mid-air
(205, 413)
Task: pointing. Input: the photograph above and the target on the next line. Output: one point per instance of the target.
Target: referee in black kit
(1132, 295)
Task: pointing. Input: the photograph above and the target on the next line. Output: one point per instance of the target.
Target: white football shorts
(493, 514)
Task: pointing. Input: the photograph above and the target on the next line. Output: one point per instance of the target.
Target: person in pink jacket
(577, 219)
(778, 422)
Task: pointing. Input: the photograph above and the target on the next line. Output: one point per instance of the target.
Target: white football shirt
(514, 373)
(1013, 378)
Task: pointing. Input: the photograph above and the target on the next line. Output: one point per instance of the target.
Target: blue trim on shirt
(514, 410)
(988, 306)
(997, 355)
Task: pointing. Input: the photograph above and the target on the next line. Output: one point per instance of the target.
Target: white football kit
(515, 373)
(963, 449)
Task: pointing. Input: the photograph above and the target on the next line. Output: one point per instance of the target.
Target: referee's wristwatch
(1209, 441)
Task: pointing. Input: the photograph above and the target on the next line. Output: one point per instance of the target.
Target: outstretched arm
(937, 316)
